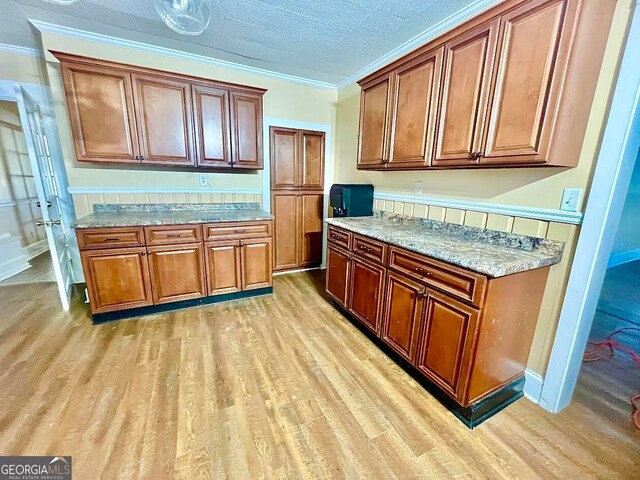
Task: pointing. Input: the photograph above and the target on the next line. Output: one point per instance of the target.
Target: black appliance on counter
(351, 200)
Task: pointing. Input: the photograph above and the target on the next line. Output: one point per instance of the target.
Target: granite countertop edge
(547, 253)
(184, 217)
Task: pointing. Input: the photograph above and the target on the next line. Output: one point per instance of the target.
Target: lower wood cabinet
(223, 267)
(366, 290)
(117, 279)
(187, 268)
(255, 255)
(467, 333)
(177, 273)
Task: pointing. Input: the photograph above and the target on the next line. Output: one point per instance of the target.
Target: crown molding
(546, 214)
(156, 190)
(170, 52)
(474, 8)
(18, 50)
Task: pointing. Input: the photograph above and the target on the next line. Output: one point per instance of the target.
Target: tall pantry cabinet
(297, 181)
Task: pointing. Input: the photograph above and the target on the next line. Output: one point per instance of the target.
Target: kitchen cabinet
(297, 229)
(246, 128)
(366, 290)
(338, 274)
(446, 340)
(177, 272)
(164, 120)
(213, 137)
(223, 267)
(404, 303)
(465, 89)
(466, 334)
(520, 122)
(117, 278)
(126, 114)
(416, 89)
(173, 263)
(297, 200)
(515, 89)
(375, 112)
(255, 257)
(101, 113)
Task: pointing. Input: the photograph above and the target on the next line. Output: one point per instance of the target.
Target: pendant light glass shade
(188, 17)
(61, 2)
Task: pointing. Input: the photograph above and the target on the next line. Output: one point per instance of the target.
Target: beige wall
(18, 211)
(283, 100)
(541, 187)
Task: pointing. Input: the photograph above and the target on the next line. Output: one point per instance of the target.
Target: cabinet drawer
(339, 237)
(173, 234)
(461, 283)
(237, 230)
(93, 238)
(369, 248)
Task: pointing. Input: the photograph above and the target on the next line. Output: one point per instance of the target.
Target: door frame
(328, 167)
(612, 176)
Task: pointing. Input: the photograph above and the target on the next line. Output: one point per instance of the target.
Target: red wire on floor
(605, 349)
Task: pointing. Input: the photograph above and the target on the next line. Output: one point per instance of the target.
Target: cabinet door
(177, 273)
(284, 157)
(256, 263)
(465, 87)
(285, 208)
(338, 270)
(164, 119)
(117, 279)
(375, 110)
(310, 221)
(311, 169)
(246, 130)
(213, 138)
(446, 340)
(100, 103)
(519, 121)
(366, 292)
(223, 267)
(416, 89)
(402, 312)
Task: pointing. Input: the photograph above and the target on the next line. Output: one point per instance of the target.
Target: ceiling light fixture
(187, 17)
(61, 2)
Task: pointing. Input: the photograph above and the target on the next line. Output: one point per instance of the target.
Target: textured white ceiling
(324, 40)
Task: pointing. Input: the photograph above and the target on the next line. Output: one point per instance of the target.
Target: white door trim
(328, 165)
(611, 180)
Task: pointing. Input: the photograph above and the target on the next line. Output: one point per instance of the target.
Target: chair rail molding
(93, 190)
(546, 214)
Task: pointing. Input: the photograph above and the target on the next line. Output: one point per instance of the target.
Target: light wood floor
(41, 271)
(281, 386)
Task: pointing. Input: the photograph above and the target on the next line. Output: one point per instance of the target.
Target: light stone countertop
(490, 252)
(141, 215)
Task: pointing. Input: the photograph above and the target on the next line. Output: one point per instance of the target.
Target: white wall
(626, 246)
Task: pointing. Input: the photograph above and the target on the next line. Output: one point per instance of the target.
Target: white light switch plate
(571, 199)
(203, 180)
(417, 188)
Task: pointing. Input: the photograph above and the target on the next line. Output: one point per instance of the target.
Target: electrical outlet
(571, 199)
(417, 188)
(203, 180)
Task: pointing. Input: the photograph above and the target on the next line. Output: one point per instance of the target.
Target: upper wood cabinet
(164, 120)
(246, 127)
(297, 159)
(100, 103)
(465, 89)
(213, 138)
(375, 110)
(126, 114)
(515, 89)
